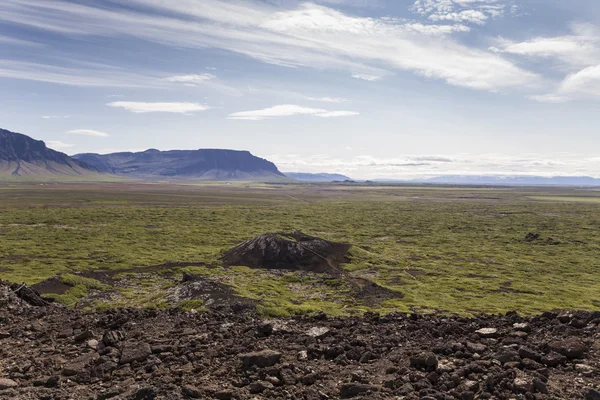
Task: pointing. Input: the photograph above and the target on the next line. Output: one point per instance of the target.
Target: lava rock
(348, 390)
(261, 359)
(134, 351)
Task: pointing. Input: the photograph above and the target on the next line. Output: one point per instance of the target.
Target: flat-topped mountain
(203, 164)
(21, 155)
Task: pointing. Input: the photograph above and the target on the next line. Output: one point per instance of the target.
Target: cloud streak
(160, 107)
(88, 132)
(287, 110)
(309, 35)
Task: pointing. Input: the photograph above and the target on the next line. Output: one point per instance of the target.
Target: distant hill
(322, 177)
(203, 164)
(515, 180)
(22, 156)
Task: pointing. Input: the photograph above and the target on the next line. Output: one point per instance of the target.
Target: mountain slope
(22, 156)
(203, 164)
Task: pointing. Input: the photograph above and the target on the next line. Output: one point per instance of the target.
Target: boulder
(134, 351)
(348, 390)
(570, 348)
(261, 359)
(7, 384)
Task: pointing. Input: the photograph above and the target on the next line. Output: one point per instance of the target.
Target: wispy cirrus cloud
(306, 35)
(287, 110)
(159, 107)
(88, 132)
(367, 77)
(328, 99)
(577, 54)
(193, 80)
(55, 116)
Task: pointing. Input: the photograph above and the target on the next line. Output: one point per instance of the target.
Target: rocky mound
(292, 251)
(54, 353)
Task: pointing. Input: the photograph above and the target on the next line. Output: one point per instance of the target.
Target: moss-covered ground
(459, 250)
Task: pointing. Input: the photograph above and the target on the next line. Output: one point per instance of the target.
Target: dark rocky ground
(50, 352)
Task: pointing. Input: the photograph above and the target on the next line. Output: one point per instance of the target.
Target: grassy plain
(452, 249)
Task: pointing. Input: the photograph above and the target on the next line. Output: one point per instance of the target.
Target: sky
(394, 89)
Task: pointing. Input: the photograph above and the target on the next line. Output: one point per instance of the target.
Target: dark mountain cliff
(203, 164)
(21, 155)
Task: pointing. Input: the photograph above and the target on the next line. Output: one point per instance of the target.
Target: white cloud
(309, 36)
(192, 80)
(287, 110)
(328, 99)
(472, 16)
(335, 114)
(88, 132)
(57, 144)
(549, 98)
(55, 116)
(73, 75)
(468, 11)
(143, 107)
(423, 166)
(366, 77)
(284, 110)
(584, 83)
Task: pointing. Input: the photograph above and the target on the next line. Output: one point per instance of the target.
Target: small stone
(523, 385)
(540, 386)
(318, 332)
(592, 395)
(262, 359)
(264, 329)
(476, 347)
(554, 359)
(4, 335)
(93, 344)
(425, 360)
(224, 395)
(65, 333)
(507, 356)
(487, 332)
(354, 389)
(134, 351)
(570, 348)
(7, 384)
(524, 327)
(526, 352)
(302, 355)
(111, 338)
(584, 369)
(191, 391)
(85, 335)
(259, 387)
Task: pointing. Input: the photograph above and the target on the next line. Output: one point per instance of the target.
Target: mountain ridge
(21, 155)
(200, 164)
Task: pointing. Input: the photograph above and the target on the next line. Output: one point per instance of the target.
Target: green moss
(451, 249)
(188, 305)
(76, 280)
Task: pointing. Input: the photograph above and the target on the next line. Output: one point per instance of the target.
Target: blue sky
(369, 88)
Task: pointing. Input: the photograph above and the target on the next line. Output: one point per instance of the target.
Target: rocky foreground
(49, 352)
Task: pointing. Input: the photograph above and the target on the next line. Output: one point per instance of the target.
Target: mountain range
(22, 156)
(203, 164)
